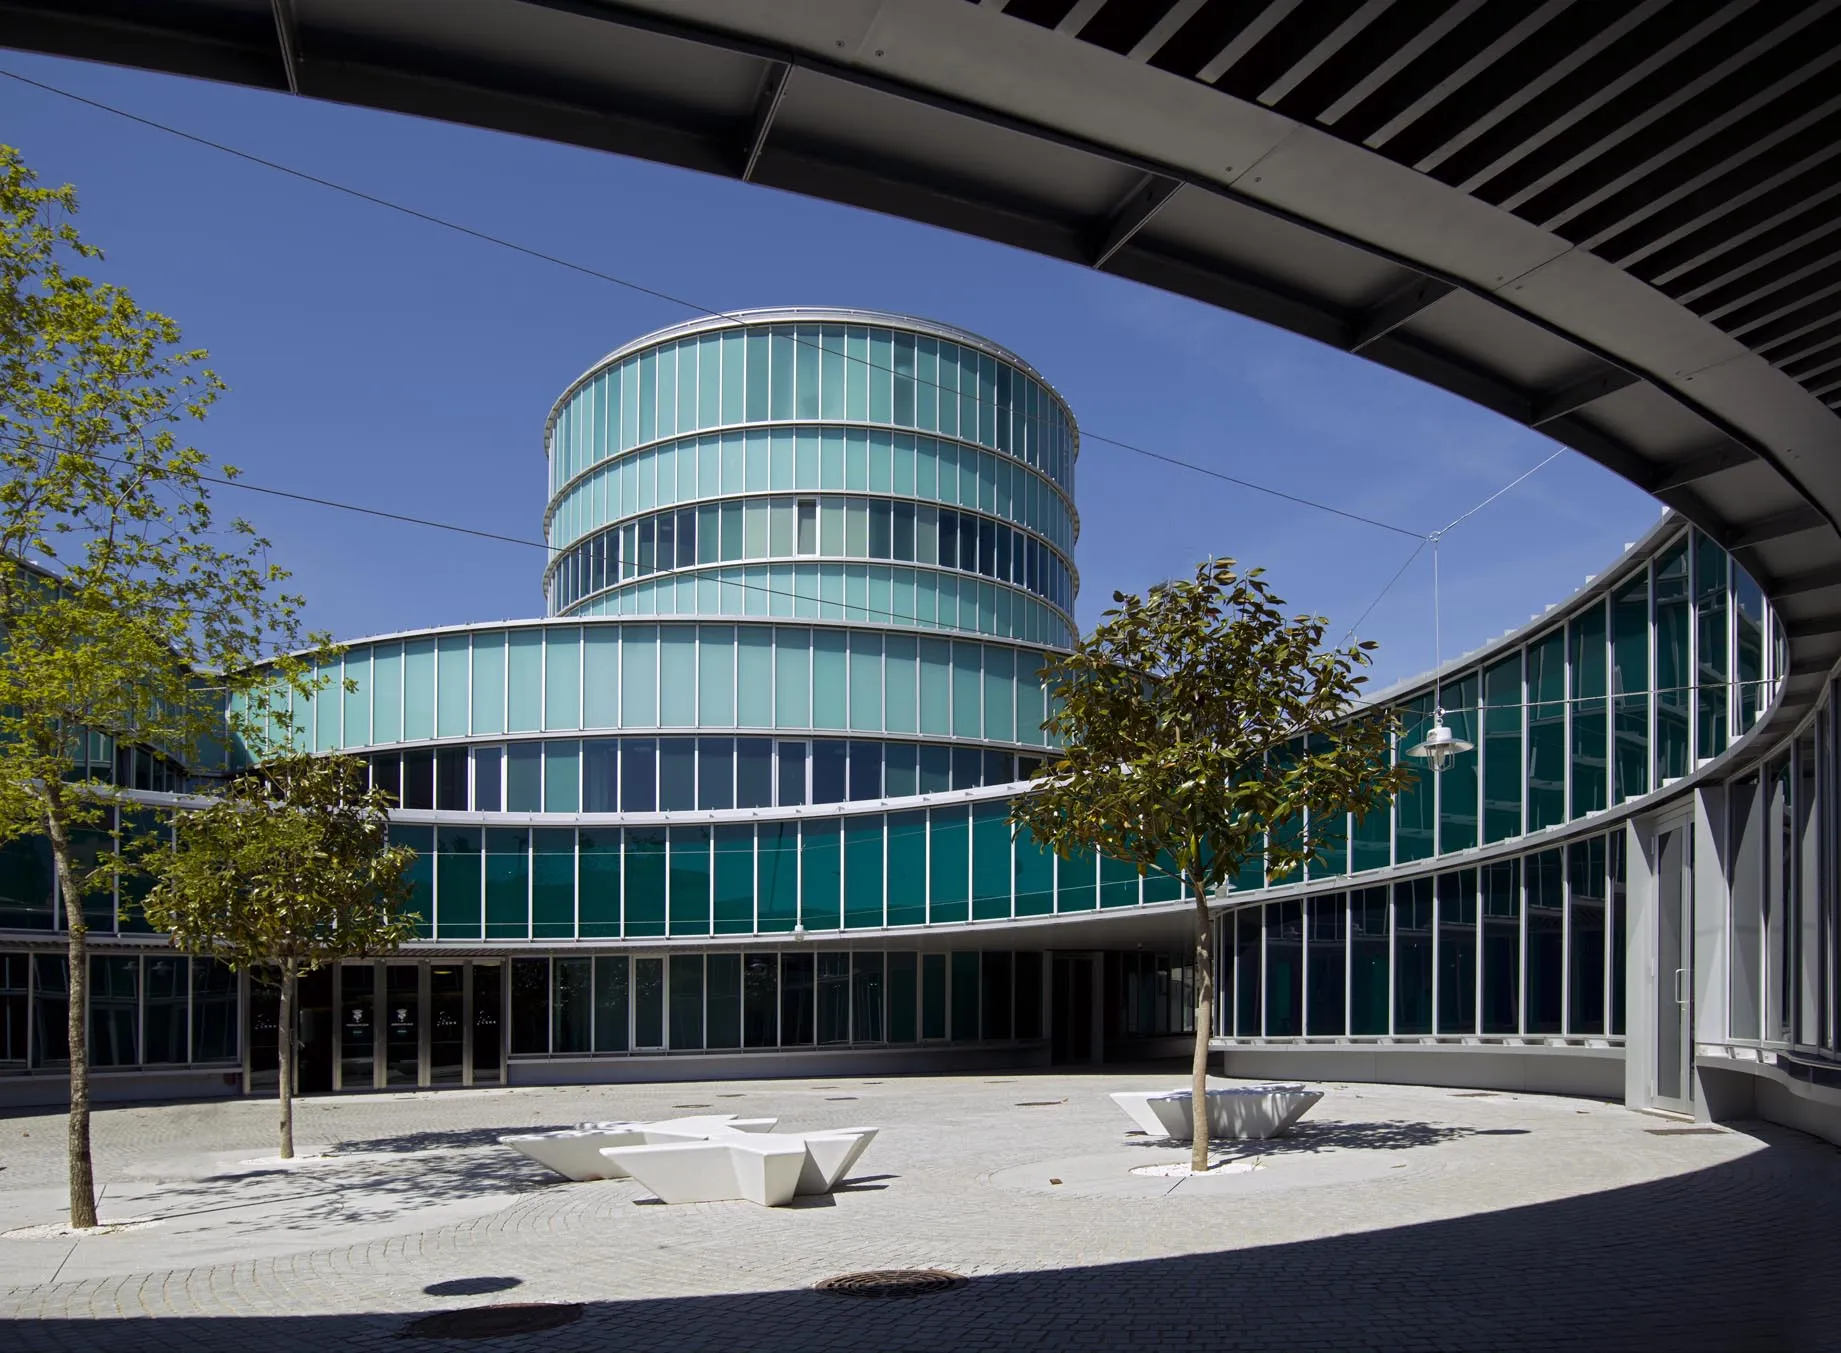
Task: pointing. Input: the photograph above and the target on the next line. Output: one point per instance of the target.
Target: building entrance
(383, 1026)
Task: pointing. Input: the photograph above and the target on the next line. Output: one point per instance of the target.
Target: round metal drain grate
(494, 1322)
(889, 1284)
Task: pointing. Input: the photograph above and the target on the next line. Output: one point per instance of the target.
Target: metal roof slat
(1719, 71)
(1513, 101)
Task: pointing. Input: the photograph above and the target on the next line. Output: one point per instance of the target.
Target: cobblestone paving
(1393, 1218)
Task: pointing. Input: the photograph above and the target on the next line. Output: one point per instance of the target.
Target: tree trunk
(1204, 1017)
(284, 1041)
(82, 1172)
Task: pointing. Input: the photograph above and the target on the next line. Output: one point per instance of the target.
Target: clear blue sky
(384, 361)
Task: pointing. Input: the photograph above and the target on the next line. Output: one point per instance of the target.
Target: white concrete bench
(769, 1169)
(1242, 1113)
(575, 1153)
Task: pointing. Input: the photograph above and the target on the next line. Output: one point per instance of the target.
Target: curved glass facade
(747, 788)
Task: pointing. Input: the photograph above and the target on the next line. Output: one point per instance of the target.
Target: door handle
(1681, 996)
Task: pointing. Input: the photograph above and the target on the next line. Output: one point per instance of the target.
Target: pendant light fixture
(1440, 746)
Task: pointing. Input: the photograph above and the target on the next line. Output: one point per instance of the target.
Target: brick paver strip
(1395, 1218)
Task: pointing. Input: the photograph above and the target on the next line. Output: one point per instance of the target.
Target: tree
(1201, 728)
(118, 584)
(290, 867)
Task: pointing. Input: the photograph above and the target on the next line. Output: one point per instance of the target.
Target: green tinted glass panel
(599, 883)
(690, 880)
(645, 882)
(1711, 644)
(1547, 731)
(562, 775)
(1672, 673)
(793, 678)
(754, 678)
(1501, 750)
(949, 875)
(1118, 883)
(457, 883)
(1586, 641)
(552, 883)
(508, 884)
(677, 676)
(639, 677)
(1413, 806)
(935, 686)
(990, 861)
(863, 872)
(733, 900)
(562, 679)
(866, 681)
(821, 875)
(453, 663)
(830, 679)
(524, 681)
(1077, 882)
(488, 683)
(1630, 685)
(357, 702)
(999, 694)
(1035, 876)
(387, 693)
(907, 869)
(967, 691)
(600, 677)
(777, 876)
(419, 688)
(420, 875)
(1458, 783)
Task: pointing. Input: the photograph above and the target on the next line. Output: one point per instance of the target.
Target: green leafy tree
(118, 583)
(288, 869)
(1201, 727)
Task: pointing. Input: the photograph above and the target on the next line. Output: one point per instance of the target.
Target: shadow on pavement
(1740, 1256)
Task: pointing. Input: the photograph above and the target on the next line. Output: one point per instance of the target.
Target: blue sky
(381, 360)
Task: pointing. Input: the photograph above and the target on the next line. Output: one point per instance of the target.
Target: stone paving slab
(1393, 1217)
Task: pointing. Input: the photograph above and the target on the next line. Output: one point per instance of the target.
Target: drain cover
(888, 1284)
(1685, 1132)
(1039, 1103)
(493, 1322)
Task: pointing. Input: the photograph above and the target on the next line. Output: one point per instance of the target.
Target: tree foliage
(288, 869)
(119, 584)
(1201, 727)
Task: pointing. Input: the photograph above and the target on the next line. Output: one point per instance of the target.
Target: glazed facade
(739, 801)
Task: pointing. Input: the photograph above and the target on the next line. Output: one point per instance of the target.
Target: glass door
(357, 1026)
(403, 1024)
(1674, 970)
(488, 1001)
(447, 1024)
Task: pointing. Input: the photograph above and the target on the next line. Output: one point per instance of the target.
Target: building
(737, 805)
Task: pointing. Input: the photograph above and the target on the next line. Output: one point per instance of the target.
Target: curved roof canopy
(1614, 223)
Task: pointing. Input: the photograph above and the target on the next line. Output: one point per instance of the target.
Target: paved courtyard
(1391, 1218)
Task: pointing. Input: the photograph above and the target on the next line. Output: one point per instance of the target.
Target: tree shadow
(1310, 1138)
(1732, 1258)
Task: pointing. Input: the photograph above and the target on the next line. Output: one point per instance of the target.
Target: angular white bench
(768, 1169)
(1243, 1113)
(575, 1153)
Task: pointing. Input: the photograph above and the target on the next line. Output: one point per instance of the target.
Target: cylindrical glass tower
(830, 465)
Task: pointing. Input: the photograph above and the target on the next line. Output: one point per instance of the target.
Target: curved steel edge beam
(1041, 92)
